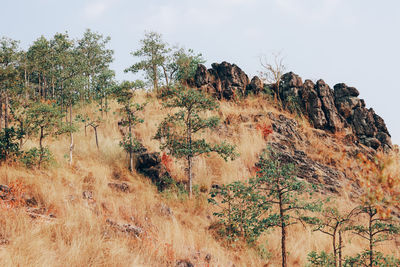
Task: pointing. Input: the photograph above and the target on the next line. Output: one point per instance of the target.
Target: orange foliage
(166, 160)
(169, 253)
(15, 197)
(376, 177)
(266, 130)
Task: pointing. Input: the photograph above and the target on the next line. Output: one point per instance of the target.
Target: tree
(154, 53)
(285, 191)
(9, 78)
(377, 230)
(334, 224)
(177, 131)
(90, 121)
(45, 120)
(273, 72)
(9, 147)
(183, 65)
(125, 94)
(241, 210)
(96, 58)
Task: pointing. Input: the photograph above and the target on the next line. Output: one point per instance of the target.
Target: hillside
(97, 213)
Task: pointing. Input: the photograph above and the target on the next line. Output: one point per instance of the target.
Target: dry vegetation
(73, 231)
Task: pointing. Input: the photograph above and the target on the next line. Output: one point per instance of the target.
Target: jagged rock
(223, 80)
(87, 195)
(255, 87)
(342, 90)
(4, 191)
(150, 165)
(372, 142)
(126, 228)
(31, 202)
(363, 122)
(184, 263)
(346, 100)
(380, 123)
(328, 106)
(310, 170)
(124, 187)
(312, 105)
(327, 109)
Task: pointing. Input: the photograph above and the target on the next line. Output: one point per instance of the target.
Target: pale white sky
(351, 41)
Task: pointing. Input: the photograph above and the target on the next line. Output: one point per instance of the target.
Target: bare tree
(273, 70)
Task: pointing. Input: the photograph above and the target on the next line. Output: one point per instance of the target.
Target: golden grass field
(72, 231)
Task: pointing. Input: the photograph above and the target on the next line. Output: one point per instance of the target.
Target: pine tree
(285, 191)
(177, 131)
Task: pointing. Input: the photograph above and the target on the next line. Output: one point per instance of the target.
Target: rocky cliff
(334, 110)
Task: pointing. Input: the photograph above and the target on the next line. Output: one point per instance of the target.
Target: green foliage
(279, 183)
(246, 209)
(183, 64)
(379, 260)
(131, 144)
(293, 105)
(45, 119)
(9, 146)
(36, 157)
(176, 132)
(154, 53)
(241, 210)
(320, 260)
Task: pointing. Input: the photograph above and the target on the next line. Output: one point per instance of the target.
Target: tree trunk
(371, 240)
(190, 156)
(340, 248)
(130, 148)
(334, 247)
(6, 112)
(71, 146)
(166, 76)
(97, 140)
(1, 113)
(283, 231)
(155, 78)
(41, 146)
(189, 159)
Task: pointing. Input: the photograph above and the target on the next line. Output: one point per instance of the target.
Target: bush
(34, 156)
(9, 146)
(362, 259)
(320, 260)
(241, 209)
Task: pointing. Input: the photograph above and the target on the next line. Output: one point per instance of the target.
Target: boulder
(255, 87)
(150, 165)
(363, 122)
(342, 90)
(123, 187)
(289, 87)
(223, 80)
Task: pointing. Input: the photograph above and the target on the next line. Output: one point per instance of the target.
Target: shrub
(9, 147)
(379, 259)
(36, 157)
(241, 210)
(320, 260)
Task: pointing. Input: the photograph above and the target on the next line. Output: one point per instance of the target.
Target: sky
(352, 41)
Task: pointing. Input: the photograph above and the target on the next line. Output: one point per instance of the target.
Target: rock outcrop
(223, 80)
(328, 109)
(337, 109)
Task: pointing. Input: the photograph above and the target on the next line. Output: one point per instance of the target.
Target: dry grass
(78, 235)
